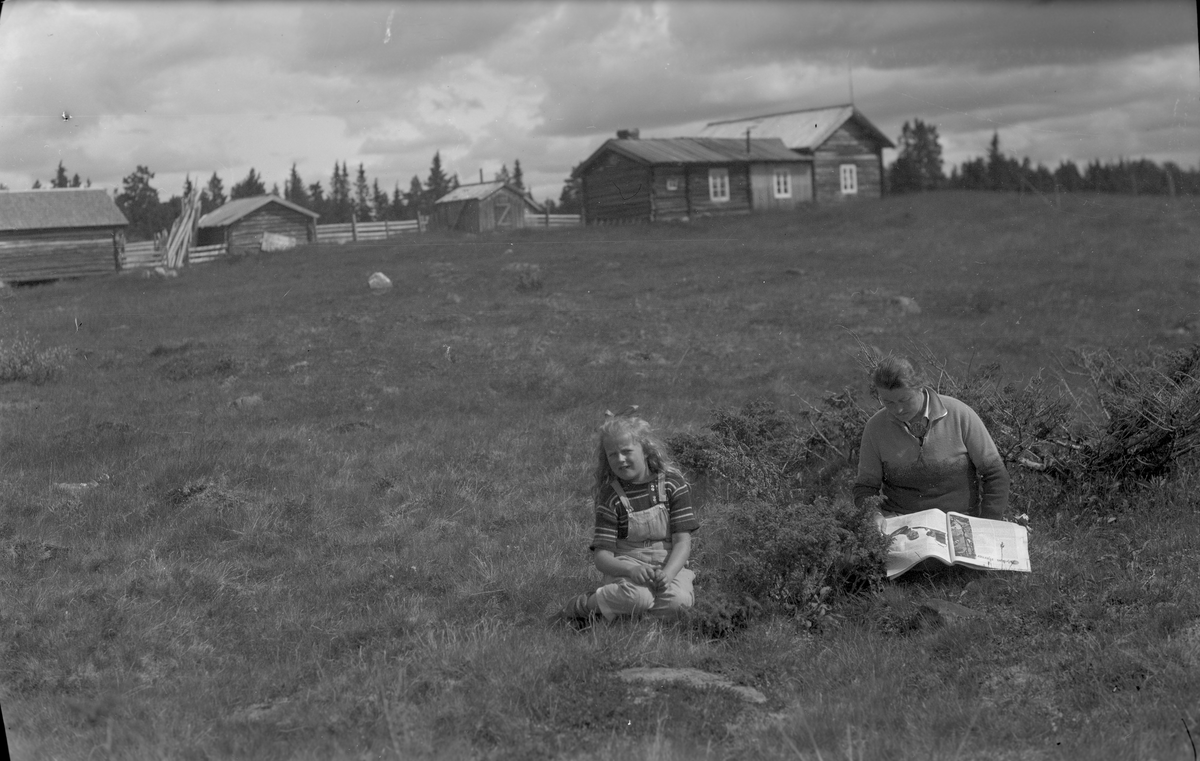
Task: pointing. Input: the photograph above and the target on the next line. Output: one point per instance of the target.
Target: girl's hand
(661, 580)
(641, 574)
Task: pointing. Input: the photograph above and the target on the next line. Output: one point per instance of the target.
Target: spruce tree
(518, 176)
(250, 187)
(293, 189)
(60, 178)
(416, 198)
(362, 195)
(75, 181)
(438, 184)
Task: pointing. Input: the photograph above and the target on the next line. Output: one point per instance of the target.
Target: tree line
(918, 167)
(342, 200)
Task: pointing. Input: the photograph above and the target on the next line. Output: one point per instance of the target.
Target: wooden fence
(352, 231)
(553, 220)
(144, 254)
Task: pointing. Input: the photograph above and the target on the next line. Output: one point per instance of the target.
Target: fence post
(354, 227)
(386, 234)
(547, 219)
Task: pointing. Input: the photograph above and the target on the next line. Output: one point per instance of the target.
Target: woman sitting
(924, 450)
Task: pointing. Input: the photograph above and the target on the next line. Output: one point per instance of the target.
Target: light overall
(648, 541)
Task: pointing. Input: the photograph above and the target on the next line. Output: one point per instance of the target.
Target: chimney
(628, 134)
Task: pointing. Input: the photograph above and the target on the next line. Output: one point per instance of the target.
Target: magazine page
(983, 543)
(913, 538)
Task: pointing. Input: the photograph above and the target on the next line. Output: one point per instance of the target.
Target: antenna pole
(850, 76)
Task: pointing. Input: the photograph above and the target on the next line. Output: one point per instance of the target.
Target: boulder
(379, 282)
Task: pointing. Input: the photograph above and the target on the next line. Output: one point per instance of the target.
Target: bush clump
(22, 359)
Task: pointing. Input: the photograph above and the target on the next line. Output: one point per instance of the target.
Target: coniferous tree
(339, 194)
(502, 175)
(37, 184)
(293, 189)
(569, 201)
(995, 164)
(437, 185)
(316, 199)
(416, 198)
(248, 188)
(139, 202)
(75, 181)
(919, 164)
(60, 177)
(397, 208)
(362, 196)
(518, 176)
(380, 205)
(213, 195)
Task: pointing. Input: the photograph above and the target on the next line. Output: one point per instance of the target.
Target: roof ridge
(780, 113)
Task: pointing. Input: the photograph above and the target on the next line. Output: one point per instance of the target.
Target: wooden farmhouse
(240, 224)
(845, 149)
(482, 207)
(59, 232)
(633, 180)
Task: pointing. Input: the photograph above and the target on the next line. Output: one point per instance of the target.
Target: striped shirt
(612, 521)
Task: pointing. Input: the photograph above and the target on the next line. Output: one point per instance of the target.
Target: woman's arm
(993, 476)
(870, 469)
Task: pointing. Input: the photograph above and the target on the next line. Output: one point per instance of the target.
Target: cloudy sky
(203, 87)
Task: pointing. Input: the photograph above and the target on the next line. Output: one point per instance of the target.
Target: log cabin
(58, 233)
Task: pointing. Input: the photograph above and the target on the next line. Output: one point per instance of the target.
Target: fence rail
(202, 254)
(349, 231)
(553, 220)
(138, 255)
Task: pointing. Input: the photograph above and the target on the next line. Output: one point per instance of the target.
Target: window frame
(718, 180)
(786, 175)
(848, 173)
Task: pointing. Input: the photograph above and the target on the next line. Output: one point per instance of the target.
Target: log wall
(27, 256)
(850, 144)
(616, 189)
(245, 235)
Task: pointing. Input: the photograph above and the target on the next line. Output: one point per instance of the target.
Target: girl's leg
(677, 597)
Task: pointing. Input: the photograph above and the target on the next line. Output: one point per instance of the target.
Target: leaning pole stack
(180, 238)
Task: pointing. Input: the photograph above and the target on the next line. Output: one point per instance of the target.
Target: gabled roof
(481, 190)
(804, 130)
(695, 150)
(235, 210)
(55, 208)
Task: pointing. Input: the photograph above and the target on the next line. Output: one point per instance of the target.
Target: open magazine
(955, 539)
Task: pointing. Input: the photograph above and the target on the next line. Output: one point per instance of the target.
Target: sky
(193, 88)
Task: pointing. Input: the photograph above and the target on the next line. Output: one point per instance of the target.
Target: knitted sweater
(954, 467)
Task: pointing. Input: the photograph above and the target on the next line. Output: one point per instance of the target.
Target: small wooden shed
(633, 180)
(240, 224)
(846, 149)
(59, 232)
(482, 207)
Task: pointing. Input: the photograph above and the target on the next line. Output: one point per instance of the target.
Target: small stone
(379, 282)
(244, 402)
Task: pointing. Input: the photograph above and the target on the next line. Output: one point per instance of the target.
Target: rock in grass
(943, 612)
(245, 402)
(379, 282)
(693, 677)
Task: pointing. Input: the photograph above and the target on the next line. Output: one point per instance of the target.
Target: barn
(482, 207)
(59, 232)
(240, 224)
(846, 150)
(633, 180)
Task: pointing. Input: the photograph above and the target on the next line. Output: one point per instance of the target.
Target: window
(783, 183)
(718, 184)
(673, 184)
(849, 179)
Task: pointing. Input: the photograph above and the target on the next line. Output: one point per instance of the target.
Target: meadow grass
(329, 523)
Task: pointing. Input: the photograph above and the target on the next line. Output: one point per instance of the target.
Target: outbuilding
(59, 232)
(845, 148)
(482, 207)
(241, 224)
(628, 179)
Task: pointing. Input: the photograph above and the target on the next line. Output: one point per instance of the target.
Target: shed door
(502, 211)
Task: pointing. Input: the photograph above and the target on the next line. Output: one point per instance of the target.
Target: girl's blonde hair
(658, 459)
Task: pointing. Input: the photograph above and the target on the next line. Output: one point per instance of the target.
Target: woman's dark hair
(893, 372)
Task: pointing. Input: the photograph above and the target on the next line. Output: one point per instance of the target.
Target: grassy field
(329, 523)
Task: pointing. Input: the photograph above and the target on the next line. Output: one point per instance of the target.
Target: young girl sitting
(644, 525)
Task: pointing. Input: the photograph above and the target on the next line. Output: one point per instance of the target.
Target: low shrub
(21, 359)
